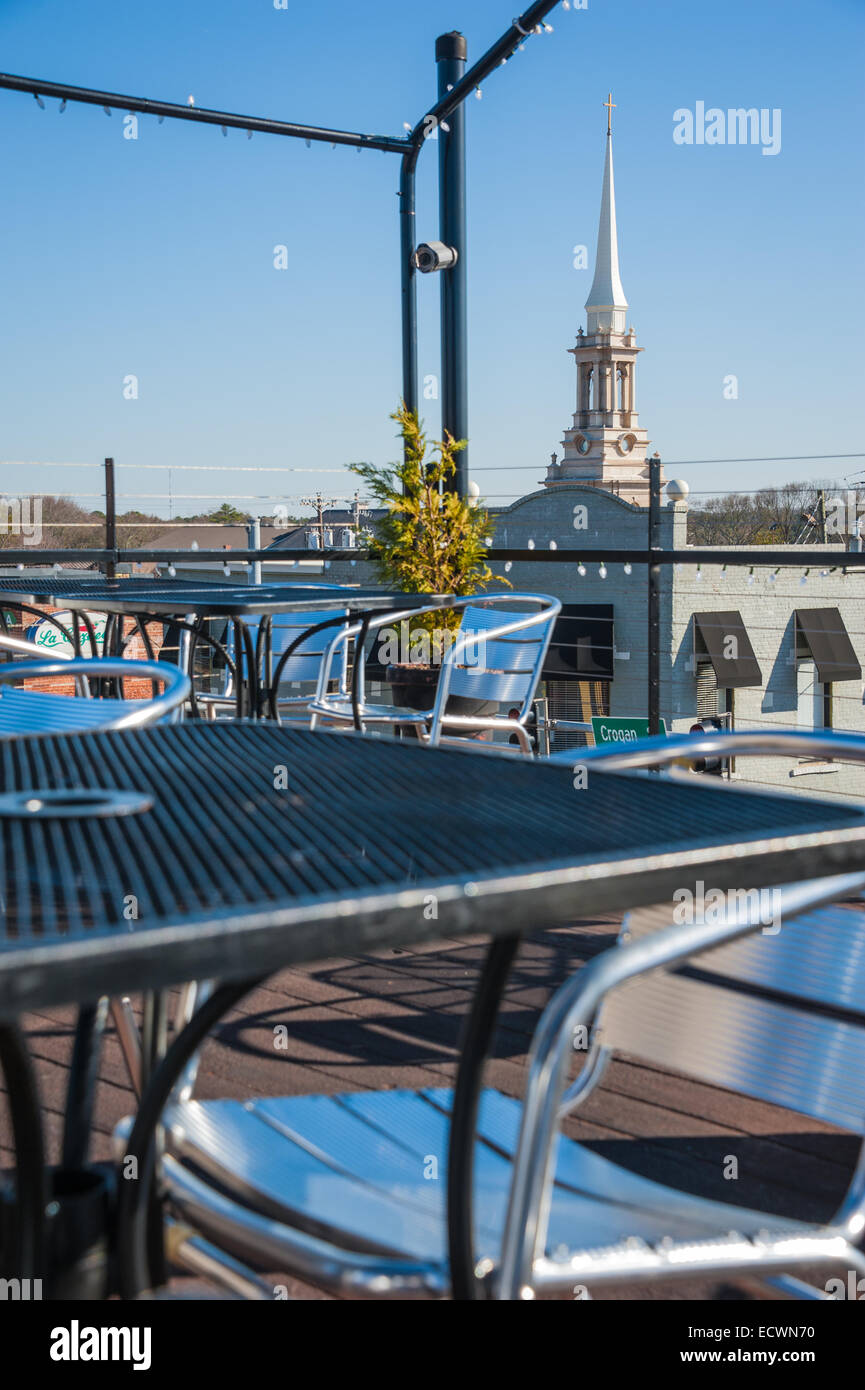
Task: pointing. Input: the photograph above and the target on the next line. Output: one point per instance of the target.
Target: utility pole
(320, 506)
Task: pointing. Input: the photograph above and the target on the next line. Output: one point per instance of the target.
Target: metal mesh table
(179, 596)
(230, 850)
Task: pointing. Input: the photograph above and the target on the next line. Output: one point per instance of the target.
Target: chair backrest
(39, 711)
(304, 664)
(500, 668)
(778, 1015)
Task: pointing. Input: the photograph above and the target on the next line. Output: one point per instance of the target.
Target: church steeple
(605, 447)
(606, 306)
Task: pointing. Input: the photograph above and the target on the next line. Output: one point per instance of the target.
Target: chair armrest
(661, 751)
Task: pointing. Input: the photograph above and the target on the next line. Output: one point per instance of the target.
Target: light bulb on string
(699, 575)
(508, 566)
(553, 545)
(751, 575)
(478, 94)
(602, 571)
(224, 129)
(581, 570)
(226, 570)
(804, 579)
(172, 571)
(773, 576)
(249, 136)
(723, 574)
(530, 544)
(628, 567)
(62, 106)
(39, 102)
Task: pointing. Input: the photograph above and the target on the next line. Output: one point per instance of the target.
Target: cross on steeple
(610, 105)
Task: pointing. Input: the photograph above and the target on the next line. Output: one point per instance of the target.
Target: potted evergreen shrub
(430, 541)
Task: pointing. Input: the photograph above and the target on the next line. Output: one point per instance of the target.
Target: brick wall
(133, 689)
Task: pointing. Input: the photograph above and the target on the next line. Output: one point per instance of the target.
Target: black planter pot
(414, 687)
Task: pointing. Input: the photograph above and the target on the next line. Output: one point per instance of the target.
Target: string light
(226, 570)
(751, 575)
(508, 566)
(478, 94)
(773, 576)
(723, 574)
(39, 102)
(699, 575)
(553, 545)
(530, 544)
(62, 106)
(628, 567)
(804, 579)
(107, 110)
(224, 129)
(602, 571)
(581, 570)
(171, 571)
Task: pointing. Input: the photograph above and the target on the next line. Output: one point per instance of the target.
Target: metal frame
(452, 194)
(432, 726)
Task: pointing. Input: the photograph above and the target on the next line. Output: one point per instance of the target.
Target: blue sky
(154, 257)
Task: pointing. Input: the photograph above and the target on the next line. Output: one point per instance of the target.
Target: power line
(689, 463)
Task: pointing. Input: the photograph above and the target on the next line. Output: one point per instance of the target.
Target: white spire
(606, 306)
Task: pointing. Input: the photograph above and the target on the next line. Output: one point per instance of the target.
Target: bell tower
(605, 446)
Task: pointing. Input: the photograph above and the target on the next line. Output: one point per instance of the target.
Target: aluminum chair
(339, 1189)
(497, 656)
(36, 711)
(301, 668)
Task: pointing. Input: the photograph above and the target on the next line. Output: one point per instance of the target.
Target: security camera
(434, 255)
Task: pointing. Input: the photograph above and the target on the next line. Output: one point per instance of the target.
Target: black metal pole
(654, 581)
(451, 52)
(110, 517)
(114, 101)
(407, 277)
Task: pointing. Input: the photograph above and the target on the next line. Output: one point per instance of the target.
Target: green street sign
(609, 730)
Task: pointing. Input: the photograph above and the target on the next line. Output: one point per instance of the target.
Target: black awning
(581, 647)
(729, 649)
(829, 643)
